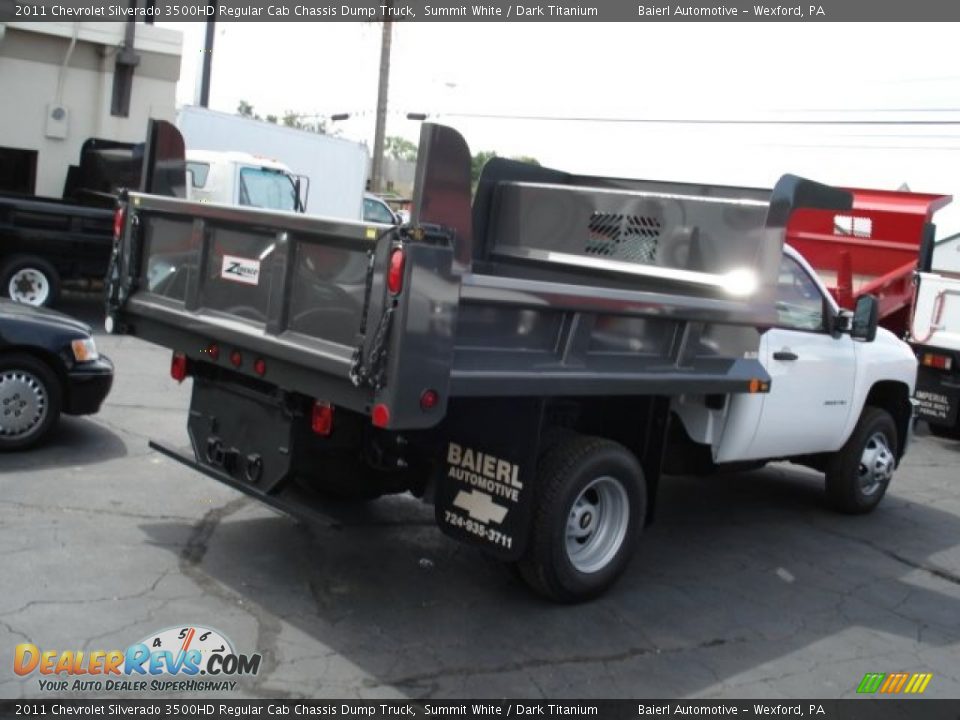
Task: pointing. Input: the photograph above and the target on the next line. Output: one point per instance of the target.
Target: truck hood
(45, 316)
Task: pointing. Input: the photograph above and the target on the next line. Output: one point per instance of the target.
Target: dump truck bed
(552, 285)
(870, 250)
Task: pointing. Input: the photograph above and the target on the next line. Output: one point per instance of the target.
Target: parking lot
(746, 586)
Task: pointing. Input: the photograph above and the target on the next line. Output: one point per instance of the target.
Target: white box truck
(336, 168)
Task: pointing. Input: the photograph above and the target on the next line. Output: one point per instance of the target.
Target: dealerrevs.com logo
(178, 659)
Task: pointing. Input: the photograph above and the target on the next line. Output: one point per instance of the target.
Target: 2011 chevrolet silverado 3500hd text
(526, 364)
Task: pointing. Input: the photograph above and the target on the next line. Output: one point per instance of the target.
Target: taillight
(178, 367)
(119, 216)
(381, 415)
(260, 366)
(395, 272)
(941, 362)
(321, 419)
(236, 359)
(213, 351)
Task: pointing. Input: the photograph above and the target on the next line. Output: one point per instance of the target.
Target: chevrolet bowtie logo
(480, 506)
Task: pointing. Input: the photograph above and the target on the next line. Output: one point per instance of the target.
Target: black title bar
(865, 709)
(484, 11)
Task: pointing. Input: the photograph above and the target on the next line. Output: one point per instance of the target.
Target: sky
(859, 104)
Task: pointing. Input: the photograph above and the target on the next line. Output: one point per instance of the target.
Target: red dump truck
(871, 249)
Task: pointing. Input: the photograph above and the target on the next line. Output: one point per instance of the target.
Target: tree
(290, 119)
(298, 121)
(477, 163)
(400, 148)
(484, 156)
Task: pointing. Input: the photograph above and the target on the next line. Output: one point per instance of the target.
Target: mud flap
(938, 395)
(485, 484)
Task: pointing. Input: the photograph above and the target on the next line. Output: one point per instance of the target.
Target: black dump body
(549, 285)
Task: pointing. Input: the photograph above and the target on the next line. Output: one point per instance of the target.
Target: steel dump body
(870, 250)
(555, 285)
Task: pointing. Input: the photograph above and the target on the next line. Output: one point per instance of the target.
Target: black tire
(857, 479)
(21, 374)
(42, 270)
(945, 431)
(567, 473)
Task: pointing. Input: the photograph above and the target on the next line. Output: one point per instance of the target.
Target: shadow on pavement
(75, 441)
(737, 571)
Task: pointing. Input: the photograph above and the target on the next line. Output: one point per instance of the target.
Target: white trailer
(336, 168)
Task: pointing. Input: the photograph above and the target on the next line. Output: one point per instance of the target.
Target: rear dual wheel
(591, 502)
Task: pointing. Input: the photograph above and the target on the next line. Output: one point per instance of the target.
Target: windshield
(266, 188)
(377, 211)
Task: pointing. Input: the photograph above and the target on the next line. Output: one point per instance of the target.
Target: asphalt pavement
(746, 586)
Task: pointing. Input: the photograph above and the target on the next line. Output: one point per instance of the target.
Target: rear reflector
(429, 399)
(941, 362)
(321, 419)
(119, 216)
(178, 367)
(381, 415)
(395, 272)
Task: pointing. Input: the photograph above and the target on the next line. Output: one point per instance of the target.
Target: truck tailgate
(291, 289)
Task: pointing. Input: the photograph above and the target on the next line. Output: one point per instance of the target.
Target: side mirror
(865, 318)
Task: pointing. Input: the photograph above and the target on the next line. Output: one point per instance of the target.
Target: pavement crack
(13, 631)
(197, 544)
(268, 626)
(84, 601)
(929, 568)
(92, 511)
(537, 663)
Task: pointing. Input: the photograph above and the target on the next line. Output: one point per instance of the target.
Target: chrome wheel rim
(876, 464)
(597, 524)
(23, 403)
(29, 286)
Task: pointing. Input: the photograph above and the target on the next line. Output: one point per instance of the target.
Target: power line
(692, 121)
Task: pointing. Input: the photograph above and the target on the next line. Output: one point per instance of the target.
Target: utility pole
(376, 172)
(204, 94)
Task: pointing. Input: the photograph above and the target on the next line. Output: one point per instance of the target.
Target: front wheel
(590, 511)
(29, 401)
(859, 473)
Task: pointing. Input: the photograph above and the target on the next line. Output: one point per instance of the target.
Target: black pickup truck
(46, 241)
(511, 362)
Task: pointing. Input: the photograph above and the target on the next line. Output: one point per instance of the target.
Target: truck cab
(238, 178)
(823, 372)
